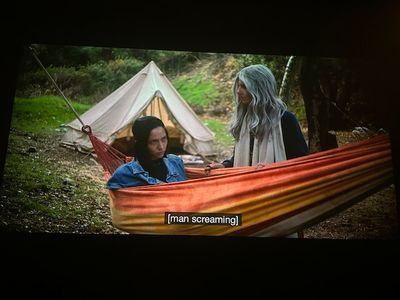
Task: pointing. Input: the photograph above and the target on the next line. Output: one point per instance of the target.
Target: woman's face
(243, 94)
(157, 143)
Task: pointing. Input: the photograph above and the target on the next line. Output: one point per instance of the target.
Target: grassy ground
(47, 188)
(223, 139)
(196, 90)
(43, 114)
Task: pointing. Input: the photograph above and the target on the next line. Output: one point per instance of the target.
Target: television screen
(330, 205)
(58, 179)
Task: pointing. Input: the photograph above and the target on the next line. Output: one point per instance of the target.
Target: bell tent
(149, 92)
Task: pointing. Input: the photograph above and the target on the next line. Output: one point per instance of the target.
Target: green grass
(197, 91)
(43, 114)
(221, 130)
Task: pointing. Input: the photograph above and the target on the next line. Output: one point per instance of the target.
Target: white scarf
(271, 149)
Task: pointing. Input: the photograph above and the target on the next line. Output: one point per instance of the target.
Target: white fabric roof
(122, 107)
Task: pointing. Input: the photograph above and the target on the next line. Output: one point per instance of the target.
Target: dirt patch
(73, 199)
(375, 217)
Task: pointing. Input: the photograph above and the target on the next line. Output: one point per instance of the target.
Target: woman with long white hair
(264, 130)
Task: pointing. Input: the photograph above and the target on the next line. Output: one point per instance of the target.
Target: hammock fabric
(272, 200)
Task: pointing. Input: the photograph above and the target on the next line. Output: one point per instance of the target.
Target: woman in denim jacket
(151, 165)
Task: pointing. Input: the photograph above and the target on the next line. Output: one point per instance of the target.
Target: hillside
(220, 72)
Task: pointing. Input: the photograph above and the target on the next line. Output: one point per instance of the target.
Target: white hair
(265, 109)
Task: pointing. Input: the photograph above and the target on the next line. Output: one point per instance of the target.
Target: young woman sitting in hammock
(151, 165)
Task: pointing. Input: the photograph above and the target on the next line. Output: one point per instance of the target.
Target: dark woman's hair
(141, 129)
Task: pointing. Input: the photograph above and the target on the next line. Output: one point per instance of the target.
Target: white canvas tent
(149, 92)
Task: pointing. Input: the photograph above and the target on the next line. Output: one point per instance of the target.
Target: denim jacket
(133, 174)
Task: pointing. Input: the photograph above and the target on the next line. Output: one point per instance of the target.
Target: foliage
(73, 82)
(58, 56)
(94, 81)
(74, 56)
(107, 76)
(276, 64)
(92, 72)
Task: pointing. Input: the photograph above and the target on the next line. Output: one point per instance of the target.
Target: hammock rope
(34, 53)
(108, 157)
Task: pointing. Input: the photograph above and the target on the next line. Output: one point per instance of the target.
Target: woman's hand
(260, 166)
(215, 166)
(211, 166)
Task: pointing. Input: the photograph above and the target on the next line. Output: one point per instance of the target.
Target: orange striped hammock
(272, 200)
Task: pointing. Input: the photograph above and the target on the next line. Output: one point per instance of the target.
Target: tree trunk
(288, 77)
(317, 107)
